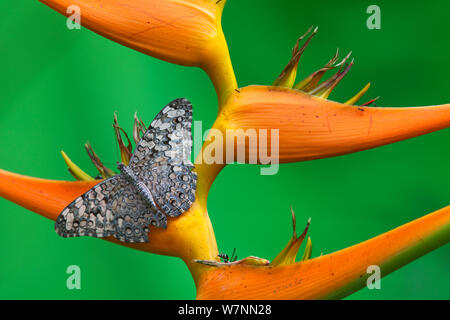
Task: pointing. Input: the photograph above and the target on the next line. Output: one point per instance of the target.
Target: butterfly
(157, 183)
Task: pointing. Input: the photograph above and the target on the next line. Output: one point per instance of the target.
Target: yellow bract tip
(359, 95)
(308, 250)
(75, 170)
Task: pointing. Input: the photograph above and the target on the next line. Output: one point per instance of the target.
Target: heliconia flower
(332, 276)
(370, 102)
(189, 33)
(311, 127)
(324, 89)
(289, 253)
(138, 129)
(287, 76)
(74, 170)
(359, 95)
(308, 250)
(185, 32)
(310, 82)
(125, 150)
(105, 172)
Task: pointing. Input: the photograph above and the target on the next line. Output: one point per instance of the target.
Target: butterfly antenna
(117, 152)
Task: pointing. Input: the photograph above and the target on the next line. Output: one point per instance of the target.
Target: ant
(224, 257)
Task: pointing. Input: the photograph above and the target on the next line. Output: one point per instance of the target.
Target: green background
(59, 88)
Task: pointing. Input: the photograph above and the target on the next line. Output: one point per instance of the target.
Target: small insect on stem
(224, 257)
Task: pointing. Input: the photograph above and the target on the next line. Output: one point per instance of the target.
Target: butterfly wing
(133, 215)
(162, 158)
(90, 214)
(112, 207)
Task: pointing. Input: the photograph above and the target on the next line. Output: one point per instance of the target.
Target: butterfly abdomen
(139, 185)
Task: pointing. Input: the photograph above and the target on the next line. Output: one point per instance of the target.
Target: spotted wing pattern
(133, 216)
(112, 207)
(90, 214)
(162, 158)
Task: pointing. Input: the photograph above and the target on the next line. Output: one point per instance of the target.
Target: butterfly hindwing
(112, 207)
(162, 158)
(90, 214)
(133, 216)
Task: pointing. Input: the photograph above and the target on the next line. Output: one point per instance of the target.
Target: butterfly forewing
(162, 158)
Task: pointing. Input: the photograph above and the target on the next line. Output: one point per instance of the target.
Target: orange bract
(312, 128)
(334, 275)
(185, 32)
(176, 31)
(189, 236)
(45, 197)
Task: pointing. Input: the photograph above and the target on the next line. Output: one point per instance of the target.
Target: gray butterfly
(157, 183)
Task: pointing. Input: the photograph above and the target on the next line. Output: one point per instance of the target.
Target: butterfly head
(120, 166)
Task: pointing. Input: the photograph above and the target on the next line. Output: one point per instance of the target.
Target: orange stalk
(334, 275)
(312, 128)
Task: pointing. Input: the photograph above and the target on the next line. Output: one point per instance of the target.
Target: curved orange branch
(331, 276)
(188, 237)
(185, 32)
(312, 128)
